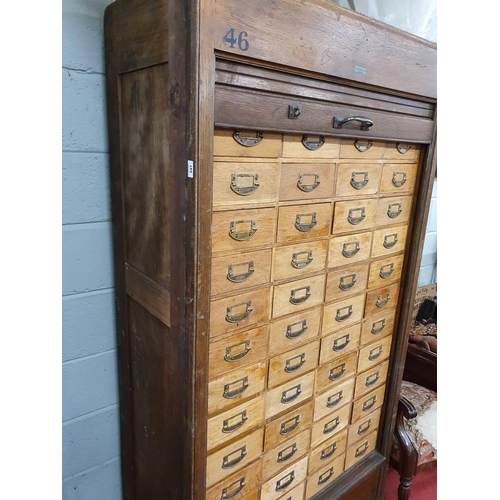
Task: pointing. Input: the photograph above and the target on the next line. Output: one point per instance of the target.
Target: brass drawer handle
(347, 281)
(353, 219)
(236, 318)
(375, 353)
(382, 302)
(377, 329)
(288, 399)
(361, 450)
(294, 299)
(363, 147)
(390, 240)
(242, 235)
(299, 263)
(338, 345)
(283, 483)
(227, 493)
(325, 455)
(350, 253)
(291, 334)
(226, 428)
(331, 402)
(242, 453)
(369, 403)
(247, 347)
(393, 213)
(342, 317)
(289, 368)
(307, 188)
(386, 270)
(244, 189)
(325, 476)
(357, 184)
(331, 426)
(366, 123)
(247, 141)
(362, 430)
(239, 278)
(313, 145)
(230, 394)
(403, 147)
(285, 428)
(337, 372)
(304, 227)
(283, 457)
(372, 379)
(398, 178)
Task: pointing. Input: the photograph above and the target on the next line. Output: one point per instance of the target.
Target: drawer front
(382, 299)
(235, 422)
(358, 179)
(243, 230)
(303, 222)
(327, 451)
(377, 326)
(233, 352)
(341, 283)
(363, 427)
(306, 181)
(360, 450)
(401, 151)
(241, 311)
(285, 481)
(247, 143)
(398, 178)
(288, 426)
(361, 149)
(333, 398)
(367, 404)
(235, 387)
(310, 146)
(374, 353)
(336, 371)
(354, 216)
(389, 240)
(385, 271)
(293, 363)
(294, 260)
(330, 425)
(244, 183)
(342, 314)
(339, 344)
(296, 493)
(346, 250)
(289, 332)
(233, 457)
(371, 379)
(324, 476)
(393, 210)
(236, 272)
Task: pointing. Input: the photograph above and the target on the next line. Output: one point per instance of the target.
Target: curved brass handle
(331, 426)
(291, 334)
(398, 178)
(298, 263)
(304, 227)
(403, 147)
(283, 483)
(242, 453)
(244, 189)
(382, 302)
(239, 278)
(369, 403)
(372, 379)
(325, 476)
(237, 318)
(230, 394)
(342, 317)
(337, 346)
(240, 355)
(366, 123)
(362, 430)
(308, 187)
(247, 233)
(394, 213)
(337, 372)
(354, 220)
(313, 145)
(386, 270)
(227, 493)
(350, 253)
(361, 450)
(375, 353)
(347, 285)
(247, 141)
(296, 299)
(331, 402)
(357, 184)
(226, 428)
(288, 399)
(377, 329)
(325, 455)
(286, 429)
(289, 368)
(283, 457)
(390, 240)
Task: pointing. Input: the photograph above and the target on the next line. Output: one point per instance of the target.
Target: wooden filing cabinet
(271, 171)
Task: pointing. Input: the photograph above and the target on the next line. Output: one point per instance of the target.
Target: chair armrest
(406, 407)
(408, 454)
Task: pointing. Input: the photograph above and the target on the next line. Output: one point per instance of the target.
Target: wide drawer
(340, 343)
(336, 371)
(285, 481)
(324, 476)
(310, 146)
(347, 281)
(247, 142)
(359, 450)
(306, 181)
(328, 450)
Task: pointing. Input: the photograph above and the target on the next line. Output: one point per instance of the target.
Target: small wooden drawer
(303, 222)
(234, 456)
(250, 143)
(244, 183)
(235, 387)
(232, 352)
(330, 425)
(347, 281)
(310, 146)
(285, 481)
(324, 476)
(343, 313)
(235, 422)
(367, 404)
(393, 210)
(358, 179)
(389, 240)
(361, 148)
(294, 363)
(401, 151)
(339, 344)
(336, 371)
(363, 427)
(285, 454)
(372, 354)
(328, 450)
(243, 230)
(398, 178)
(377, 326)
(290, 394)
(240, 311)
(354, 216)
(288, 426)
(241, 485)
(360, 450)
(349, 249)
(235, 272)
(333, 398)
(297, 295)
(371, 379)
(306, 181)
(294, 260)
(287, 333)
(382, 299)
(385, 271)
(297, 493)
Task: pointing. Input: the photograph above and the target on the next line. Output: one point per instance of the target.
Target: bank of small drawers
(308, 240)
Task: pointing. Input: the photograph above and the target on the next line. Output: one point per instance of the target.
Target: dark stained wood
(420, 367)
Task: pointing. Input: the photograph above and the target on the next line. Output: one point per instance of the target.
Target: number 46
(241, 40)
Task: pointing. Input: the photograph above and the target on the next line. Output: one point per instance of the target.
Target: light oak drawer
(236, 272)
(228, 142)
(306, 181)
(385, 271)
(324, 476)
(361, 148)
(343, 313)
(354, 216)
(363, 427)
(330, 425)
(371, 379)
(235, 422)
(290, 394)
(360, 450)
(285, 481)
(336, 371)
(339, 344)
(389, 240)
(377, 326)
(297, 493)
(235, 387)
(244, 183)
(382, 299)
(358, 179)
(401, 151)
(233, 352)
(254, 495)
(333, 398)
(240, 311)
(398, 178)
(294, 260)
(289, 332)
(393, 210)
(342, 283)
(293, 363)
(233, 457)
(298, 295)
(367, 404)
(303, 222)
(288, 425)
(328, 450)
(243, 230)
(347, 250)
(310, 146)
(374, 353)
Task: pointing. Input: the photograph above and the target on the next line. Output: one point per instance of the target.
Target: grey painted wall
(90, 425)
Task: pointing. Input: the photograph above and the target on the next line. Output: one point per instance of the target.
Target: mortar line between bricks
(88, 356)
(71, 294)
(90, 414)
(91, 469)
